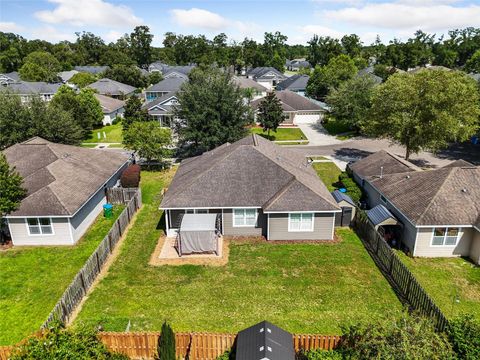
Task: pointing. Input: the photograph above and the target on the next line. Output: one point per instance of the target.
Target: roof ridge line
(404, 161)
(279, 193)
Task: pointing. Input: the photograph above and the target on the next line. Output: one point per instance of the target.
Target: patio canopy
(198, 234)
(380, 216)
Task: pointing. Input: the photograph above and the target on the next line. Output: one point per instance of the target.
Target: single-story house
(296, 83)
(297, 64)
(369, 72)
(27, 89)
(67, 75)
(94, 69)
(257, 187)
(297, 109)
(437, 212)
(7, 78)
(169, 85)
(65, 190)
(112, 88)
(157, 66)
(177, 71)
(162, 108)
(111, 108)
(267, 76)
(246, 83)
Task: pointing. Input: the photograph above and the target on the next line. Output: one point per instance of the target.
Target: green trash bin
(108, 210)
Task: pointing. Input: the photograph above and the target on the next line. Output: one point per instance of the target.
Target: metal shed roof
(264, 341)
(339, 196)
(380, 215)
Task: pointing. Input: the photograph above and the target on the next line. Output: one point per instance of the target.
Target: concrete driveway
(317, 135)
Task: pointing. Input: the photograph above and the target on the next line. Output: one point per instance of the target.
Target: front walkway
(317, 135)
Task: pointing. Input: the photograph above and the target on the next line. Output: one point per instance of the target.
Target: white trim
(167, 219)
(245, 216)
(268, 226)
(459, 235)
(212, 207)
(476, 228)
(71, 231)
(300, 212)
(433, 226)
(333, 226)
(40, 226)
(415, 243)
(300, 230)
(223, 226)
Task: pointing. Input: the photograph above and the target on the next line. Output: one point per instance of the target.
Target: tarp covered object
(198, 234)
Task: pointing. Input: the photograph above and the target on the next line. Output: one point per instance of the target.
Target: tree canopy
(40, 66)
(270, 113)
(11, 190)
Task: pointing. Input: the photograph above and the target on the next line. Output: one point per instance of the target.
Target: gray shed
(347, 205)
(264, 341)
(380, 216)
(198, 233)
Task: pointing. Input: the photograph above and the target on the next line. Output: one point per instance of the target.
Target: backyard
(304, 287)
(453, 283)
(34, 278)
(328, 172)
(113, 134)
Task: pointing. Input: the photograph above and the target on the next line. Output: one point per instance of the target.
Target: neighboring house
(297, 109)
(368, 71)
(111, 108)
(10, 77)
(257, 89)
(296, 83)
(65, 190)
(297, 64)
(161, 109)
(169, 85)
(257, 187)
(177, 71)
(28, 89)
(269, 77)
(112, 88)
(157, 66)
(435, 213)
(94, 70)
(66, 75)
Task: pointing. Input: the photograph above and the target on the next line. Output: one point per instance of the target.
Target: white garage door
(306, 118)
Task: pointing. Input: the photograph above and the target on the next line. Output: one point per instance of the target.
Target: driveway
(317, 135)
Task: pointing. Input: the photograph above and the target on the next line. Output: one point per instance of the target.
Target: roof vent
(261, 348)
(407, 177)
(464, 190)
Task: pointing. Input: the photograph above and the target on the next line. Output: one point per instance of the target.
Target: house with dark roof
(266, 76)
(111, 108)
(169, 85)
(65, 190)
(297, 64)
(7, 78)
(112, 88)
(161, 109)
(177, 71)
(369, 72)
(256, 89)
(258, 189)
(434, 213)
(28, 89)
(296, 83)
(297, 109)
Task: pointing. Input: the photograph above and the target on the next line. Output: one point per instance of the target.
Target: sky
(56, 20)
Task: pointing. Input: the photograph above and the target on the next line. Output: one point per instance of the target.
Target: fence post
(98, 260)
(84, 287)
(390, 268)
(119, 227)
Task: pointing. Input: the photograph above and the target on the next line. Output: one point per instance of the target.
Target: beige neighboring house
(65, 190)
(435, 212)
(112, 88)
(111, 108)
(256, 188)
(258, 90)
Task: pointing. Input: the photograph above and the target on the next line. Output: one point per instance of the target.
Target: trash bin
(475, 140)
(108, 210)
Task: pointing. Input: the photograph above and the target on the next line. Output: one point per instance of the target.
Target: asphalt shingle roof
(33, 87)
(168, 84)
(111, 87)
(92, 69)
(291, 101)
(259, 72)
(246, 83)
(295, 82)
(109, 104)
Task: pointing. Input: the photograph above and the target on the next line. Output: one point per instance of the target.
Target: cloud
(199, 18)
(112, 36)
(89, 12)
(10, 26)
(51, 34)
(321, 31)
(408, 15)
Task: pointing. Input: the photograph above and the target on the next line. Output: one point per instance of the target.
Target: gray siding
(20, 237)
(259, 230)
(425, 249)
(322, 228)
(475, 247)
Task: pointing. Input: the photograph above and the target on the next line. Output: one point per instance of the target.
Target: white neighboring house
(65, 190)
(268, 77)
(28, 89)
(111, 108)
(258, 90)
(8, 78)
(162, 109)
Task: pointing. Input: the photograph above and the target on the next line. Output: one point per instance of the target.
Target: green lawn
(447, 280)
(291, 133)
(113, 133)
(34, 278)
(328, 172)
(302, 287)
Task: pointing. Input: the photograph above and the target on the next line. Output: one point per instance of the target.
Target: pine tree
(270, 113)
(166, 343)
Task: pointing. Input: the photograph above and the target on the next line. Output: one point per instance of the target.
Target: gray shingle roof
(246, 83)
(295, 82)
(291, 101)
(11, 76)
(111, 87)
(260, 72)
(155, 107)
(92, 69)
(250, 172)
(67, 75)
(60, 178)
(109, 104)
(33, 87)
(170, 84)
(183, 70)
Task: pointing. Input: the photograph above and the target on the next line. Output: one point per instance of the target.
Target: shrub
(227, 355)
(58, 343)
(353, 190)
(131, 177)
(319, 355)
(166, 343)
(464, 335)
(117, 120)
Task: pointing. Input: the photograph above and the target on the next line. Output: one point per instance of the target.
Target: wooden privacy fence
(397, 272)
(5, 352)
(84, 279)
(120, 195)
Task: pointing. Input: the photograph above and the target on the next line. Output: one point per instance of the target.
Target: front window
(447, 236)
(244, 217)
(39, 226)
(300, 222)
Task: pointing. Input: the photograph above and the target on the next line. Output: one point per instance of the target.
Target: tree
(270, 113)
(166, 343)
(211, 111)
(148, 139)
(277, 62)
(463, 334)
(15, 122)
(40, 66)
(154, 77)
(322, 49)
(473, 64)
(140, 45)
(58, 125)
(82, 79)
(11, 190)
(130, 75)
(352, 45)
(133, 112)
(425, 110)
(338, 70)
(352, 100)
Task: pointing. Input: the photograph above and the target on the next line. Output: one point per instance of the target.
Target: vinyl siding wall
(323, 226)
(475, 247)
(425, 249)
(259, 230)
(20, 236)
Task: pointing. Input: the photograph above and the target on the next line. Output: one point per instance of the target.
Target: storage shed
(198, 233)
(381, 216)
(347, 205)
(264, 341)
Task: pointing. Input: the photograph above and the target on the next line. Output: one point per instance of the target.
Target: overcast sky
(56, 20)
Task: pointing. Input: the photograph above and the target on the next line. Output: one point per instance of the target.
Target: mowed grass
(113, 134)
(34, 278)
(282, 134)
(305, 288)
(453, 283)
(328, 172)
